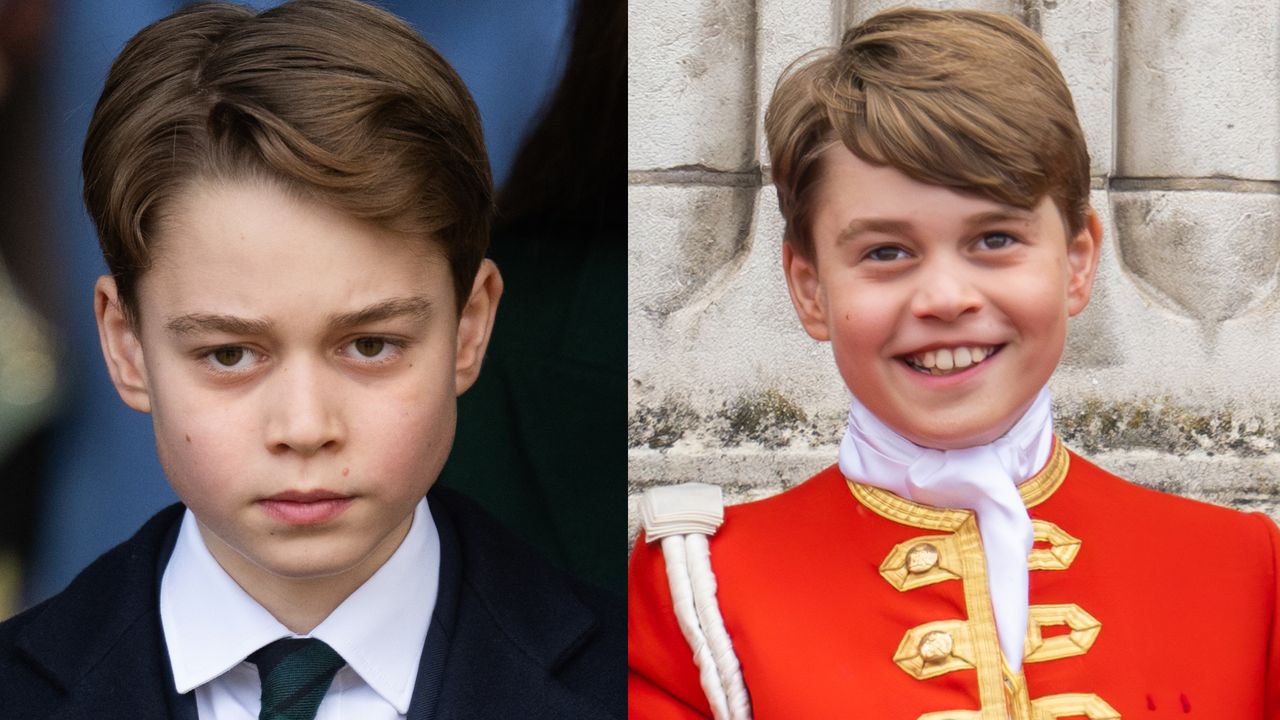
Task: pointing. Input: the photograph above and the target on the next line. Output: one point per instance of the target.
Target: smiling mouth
(947, 361)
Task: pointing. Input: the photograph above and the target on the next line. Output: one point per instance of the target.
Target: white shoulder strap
(681, 517)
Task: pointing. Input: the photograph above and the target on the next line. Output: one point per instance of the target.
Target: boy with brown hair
(957, 561)
(294, 206)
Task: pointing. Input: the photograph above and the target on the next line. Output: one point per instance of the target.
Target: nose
(304, 412)
(945, 290)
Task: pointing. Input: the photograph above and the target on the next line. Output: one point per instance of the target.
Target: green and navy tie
(295, 674)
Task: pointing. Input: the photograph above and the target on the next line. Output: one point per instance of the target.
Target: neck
(301, 603)
(874, 452)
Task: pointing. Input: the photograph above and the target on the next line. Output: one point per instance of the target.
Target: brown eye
(370, 347)
(228, 356)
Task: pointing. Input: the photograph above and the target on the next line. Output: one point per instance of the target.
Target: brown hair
(336, 100)
(963, 99)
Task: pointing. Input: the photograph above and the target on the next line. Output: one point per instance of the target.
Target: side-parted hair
(962, 99)
(335, 100)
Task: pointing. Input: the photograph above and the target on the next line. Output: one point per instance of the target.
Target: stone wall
(1167, 378)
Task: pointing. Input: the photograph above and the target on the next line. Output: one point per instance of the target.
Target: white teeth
(944, 360)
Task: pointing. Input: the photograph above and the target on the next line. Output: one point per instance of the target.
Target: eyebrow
(196, 323)
(887, 226)
(416, 308)
(1002, 215)
(868, 225)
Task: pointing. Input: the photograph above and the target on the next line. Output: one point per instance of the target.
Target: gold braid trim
(1034, 491)
(936, 648)
(982, 621)
(1062, 550)
(1045, 708)
(1042, 485)
(906, 512)
(922, 561)
(973, 643)
(1084, 631)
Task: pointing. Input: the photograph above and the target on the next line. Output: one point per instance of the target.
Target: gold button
(922, 558)
(935, 646)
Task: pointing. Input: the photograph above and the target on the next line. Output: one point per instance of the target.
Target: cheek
(408, 436)
(201, 456)
(207, 443)
(1042, 290)
(1039, 308)
(191, 421)
(427, 428)
(861, 323)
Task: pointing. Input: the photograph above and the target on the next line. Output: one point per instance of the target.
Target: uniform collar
(1034, 490)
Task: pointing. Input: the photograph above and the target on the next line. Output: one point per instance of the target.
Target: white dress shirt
(211, 625)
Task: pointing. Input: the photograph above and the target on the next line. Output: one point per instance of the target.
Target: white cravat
(983, 479)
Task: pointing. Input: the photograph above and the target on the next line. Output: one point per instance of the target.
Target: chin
(307, 569)
(313, 561)
(954, 436)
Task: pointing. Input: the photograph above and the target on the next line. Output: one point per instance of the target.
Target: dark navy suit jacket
(510, 637)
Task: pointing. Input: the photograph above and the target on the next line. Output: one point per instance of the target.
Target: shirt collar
(211, 624)
(380, 628)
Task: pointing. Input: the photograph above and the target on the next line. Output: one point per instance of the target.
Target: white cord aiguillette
(682, 517)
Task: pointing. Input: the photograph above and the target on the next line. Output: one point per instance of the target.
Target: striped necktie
(295, 674)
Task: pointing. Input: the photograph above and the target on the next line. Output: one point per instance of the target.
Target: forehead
(852, 193)
(255, 249)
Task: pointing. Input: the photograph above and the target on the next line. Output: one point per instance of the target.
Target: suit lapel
(100, 641)
(515, 624)
(488, 676)
(426, 689)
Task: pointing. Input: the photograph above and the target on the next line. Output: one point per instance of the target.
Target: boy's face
(301, 368)
(946, 312)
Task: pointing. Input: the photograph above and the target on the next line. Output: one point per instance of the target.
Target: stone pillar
(1166, 377)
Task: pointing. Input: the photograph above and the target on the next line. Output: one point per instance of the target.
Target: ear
(806, 292)
(120, 346)
(475, 324)
(1082, 263)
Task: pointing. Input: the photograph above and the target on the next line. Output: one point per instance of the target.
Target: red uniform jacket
(846, 601)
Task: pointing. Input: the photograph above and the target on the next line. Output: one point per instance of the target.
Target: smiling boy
(957, 562)
(294, 206)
